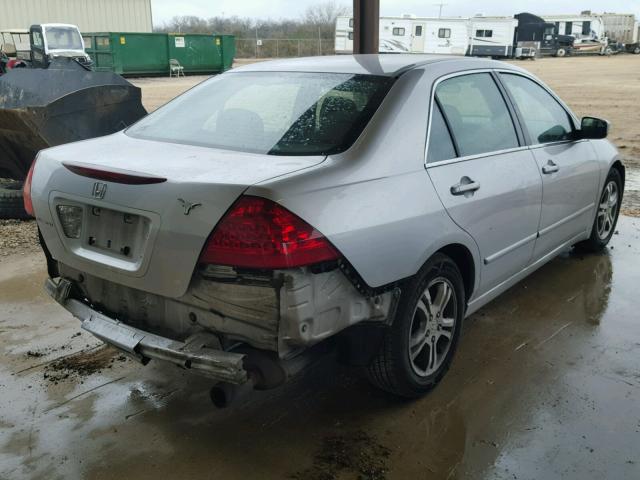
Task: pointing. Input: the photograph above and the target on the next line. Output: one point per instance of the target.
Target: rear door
(486, 179)
(569, 169)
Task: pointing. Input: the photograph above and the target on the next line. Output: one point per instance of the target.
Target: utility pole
(441, 4)
(366, 26)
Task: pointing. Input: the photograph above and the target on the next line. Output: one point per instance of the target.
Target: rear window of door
(440, 144)
(476, 114)
(545, 120)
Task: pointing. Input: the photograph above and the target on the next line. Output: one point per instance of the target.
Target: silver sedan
(362, 204)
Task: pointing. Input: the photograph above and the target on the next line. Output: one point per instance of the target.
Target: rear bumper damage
(195, 353)
(231, 327)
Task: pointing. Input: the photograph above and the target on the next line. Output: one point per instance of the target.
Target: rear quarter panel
(375, 201)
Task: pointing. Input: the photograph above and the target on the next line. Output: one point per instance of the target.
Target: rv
(480, 36)
(491, 36)
(410, 34)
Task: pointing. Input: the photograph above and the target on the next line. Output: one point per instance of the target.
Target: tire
(393, 368)
(11, 202)
(561, 52)
(604, 225)
(636, 50)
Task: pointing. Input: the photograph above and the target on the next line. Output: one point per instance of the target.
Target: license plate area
(112, 236)
(116, 233)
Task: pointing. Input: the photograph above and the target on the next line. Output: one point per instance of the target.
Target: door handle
(465, 186)
(550, 167)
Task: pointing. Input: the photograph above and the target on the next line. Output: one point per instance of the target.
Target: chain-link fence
(277, 47)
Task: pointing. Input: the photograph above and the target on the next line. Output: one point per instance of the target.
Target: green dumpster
(202, 53)
(148, 54)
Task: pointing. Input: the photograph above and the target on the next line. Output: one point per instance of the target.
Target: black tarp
(63, 103)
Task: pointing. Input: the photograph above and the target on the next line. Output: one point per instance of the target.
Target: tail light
(258, 233)
(26, 190)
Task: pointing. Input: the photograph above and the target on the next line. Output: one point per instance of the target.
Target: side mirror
(593, 128)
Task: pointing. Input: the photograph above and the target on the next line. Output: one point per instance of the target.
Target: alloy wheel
(432, 327)
(607, 210)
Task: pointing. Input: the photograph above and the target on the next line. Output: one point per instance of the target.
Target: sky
(164, 10)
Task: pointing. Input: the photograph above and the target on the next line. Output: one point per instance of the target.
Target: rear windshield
(275, 113)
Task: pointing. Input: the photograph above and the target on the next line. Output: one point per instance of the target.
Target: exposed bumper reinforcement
(221, 365)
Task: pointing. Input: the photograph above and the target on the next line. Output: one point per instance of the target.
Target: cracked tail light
(26, 190)
(260, 234)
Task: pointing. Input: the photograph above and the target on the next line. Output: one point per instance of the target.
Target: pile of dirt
(82, 364)
(352, 455)
(18, 236)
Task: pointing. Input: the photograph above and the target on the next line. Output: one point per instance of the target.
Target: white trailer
(478, 36)
(448, 36)
(491, 36)
(410, 34)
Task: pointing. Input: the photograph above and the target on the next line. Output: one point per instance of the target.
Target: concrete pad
(546, 384)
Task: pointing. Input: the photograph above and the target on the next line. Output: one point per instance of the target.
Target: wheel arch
(620, 167)
(463, 258)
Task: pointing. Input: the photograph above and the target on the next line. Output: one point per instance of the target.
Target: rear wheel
(11, 202)
(561, 52)
(636, 50)
(418, 348)
(606, 219)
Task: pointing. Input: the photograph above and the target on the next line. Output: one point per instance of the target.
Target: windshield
(63, 38)
(275, 113)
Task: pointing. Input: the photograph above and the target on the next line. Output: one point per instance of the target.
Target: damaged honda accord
(363, 205)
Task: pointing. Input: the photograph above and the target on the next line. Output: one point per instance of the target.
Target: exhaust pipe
(224, 394)
(265, 372)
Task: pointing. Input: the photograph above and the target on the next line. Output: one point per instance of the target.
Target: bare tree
(325, 13)
(311, 34)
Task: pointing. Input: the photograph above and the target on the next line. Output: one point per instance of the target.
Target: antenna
(441, 4)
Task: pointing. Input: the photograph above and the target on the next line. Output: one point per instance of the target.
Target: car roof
(375, 64)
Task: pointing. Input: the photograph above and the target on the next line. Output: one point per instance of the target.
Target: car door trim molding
(561, 222)
(510, 248)
(489, 295)
(474, 157)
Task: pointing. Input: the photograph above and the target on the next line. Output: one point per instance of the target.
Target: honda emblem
(99, 190)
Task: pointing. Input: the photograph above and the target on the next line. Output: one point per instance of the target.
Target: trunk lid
(147, 236)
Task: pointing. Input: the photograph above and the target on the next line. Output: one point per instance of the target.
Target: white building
(88, 15)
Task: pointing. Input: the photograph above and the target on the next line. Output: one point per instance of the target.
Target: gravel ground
(18, 236)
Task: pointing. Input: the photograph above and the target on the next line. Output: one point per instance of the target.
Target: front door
(38, 49)
(488, 183)
(417, 37)
(569, 169)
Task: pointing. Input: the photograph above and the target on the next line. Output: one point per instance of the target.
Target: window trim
(393, 31)
(573, 119)
(525, 142)
(507, 100)
(440, 30)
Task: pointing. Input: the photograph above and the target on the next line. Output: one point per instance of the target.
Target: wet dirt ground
(545, 385)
